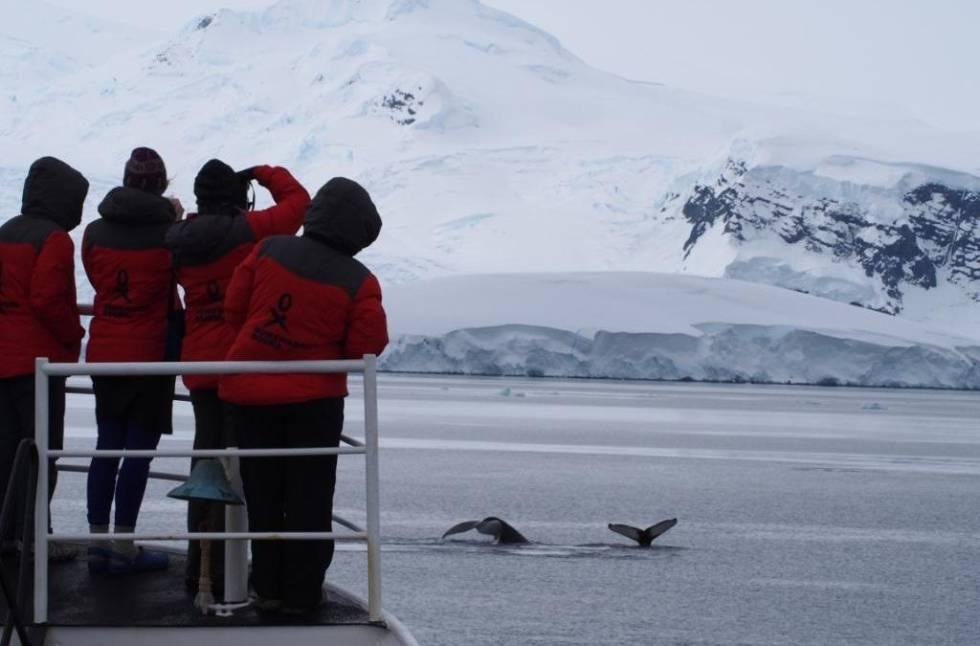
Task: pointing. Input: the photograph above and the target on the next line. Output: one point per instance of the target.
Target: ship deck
(160, 599)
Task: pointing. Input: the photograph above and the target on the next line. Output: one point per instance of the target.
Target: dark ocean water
(806, 516)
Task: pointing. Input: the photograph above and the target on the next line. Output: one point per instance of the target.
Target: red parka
(207, 249)
(132, 272)
(38, 303)
(306, 299)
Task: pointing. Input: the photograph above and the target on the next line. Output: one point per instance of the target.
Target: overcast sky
(909, 58)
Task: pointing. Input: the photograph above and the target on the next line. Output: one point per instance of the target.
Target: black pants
(212, 430)
(290, 495)
(17, 423)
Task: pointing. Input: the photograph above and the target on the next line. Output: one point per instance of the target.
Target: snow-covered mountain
(491, 148)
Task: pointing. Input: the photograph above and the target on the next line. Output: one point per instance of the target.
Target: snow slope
(42, 43)
(656, 326)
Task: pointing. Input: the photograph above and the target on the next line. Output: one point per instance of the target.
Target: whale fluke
(501, 530)
(643, 536)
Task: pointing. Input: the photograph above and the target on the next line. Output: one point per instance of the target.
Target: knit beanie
(217, 185)
(145, 171)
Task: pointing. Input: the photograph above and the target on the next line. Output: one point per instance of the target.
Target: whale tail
(643, 536)
(464, 526)
(502, 531)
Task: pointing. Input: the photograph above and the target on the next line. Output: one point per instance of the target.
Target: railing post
(236, 552)
(41, 425)
(372, 473)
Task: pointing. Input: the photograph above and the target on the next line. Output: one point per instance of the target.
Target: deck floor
(77, 598)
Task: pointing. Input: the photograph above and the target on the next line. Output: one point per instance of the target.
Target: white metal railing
(182, 477)
(368, 366)
(178, 397)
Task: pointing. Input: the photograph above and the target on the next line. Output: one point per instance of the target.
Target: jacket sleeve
(367, 326)
(286, 217)
(53, 296)
(239, 292)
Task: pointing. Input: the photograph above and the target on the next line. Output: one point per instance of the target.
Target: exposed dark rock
(936, 228)
(402, 105)
(709, 204)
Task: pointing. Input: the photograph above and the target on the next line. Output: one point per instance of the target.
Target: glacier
(662, 327)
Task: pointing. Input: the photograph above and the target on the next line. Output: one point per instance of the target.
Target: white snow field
(42, 43)
(490, 148)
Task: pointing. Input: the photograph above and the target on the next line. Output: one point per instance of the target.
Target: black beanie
(217, 185)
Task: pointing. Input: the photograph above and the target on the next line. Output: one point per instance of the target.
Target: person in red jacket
(38, 307)
(131, 271)
(295, 299)
(207, 247)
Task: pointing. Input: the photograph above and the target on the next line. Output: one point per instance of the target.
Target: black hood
(134, 207)
(198, 236)
(343, 216)
(54, 191)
